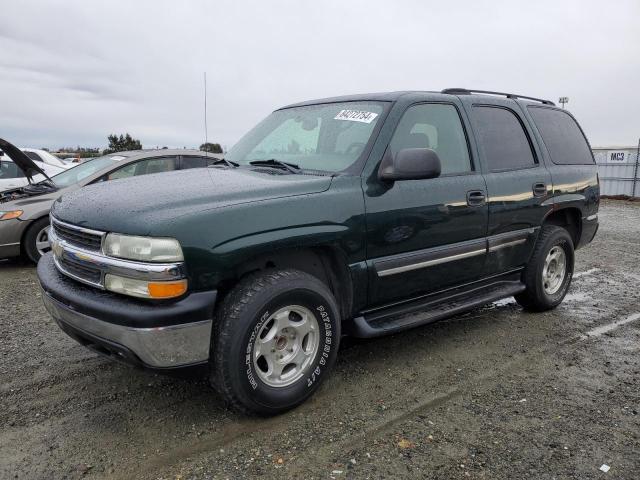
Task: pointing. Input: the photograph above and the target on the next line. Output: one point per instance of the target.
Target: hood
(24, 163)
(137, 205)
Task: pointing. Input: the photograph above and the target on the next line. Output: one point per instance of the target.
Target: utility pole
(563, 100)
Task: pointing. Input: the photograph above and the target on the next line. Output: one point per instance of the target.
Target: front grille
(82, 272)
(78, 236)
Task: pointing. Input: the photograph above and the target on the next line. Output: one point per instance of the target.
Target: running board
(415, 314)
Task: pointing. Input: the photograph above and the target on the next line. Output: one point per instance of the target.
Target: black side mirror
(410, 164)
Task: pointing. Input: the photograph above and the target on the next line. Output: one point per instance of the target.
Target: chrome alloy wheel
(286, 345)
(43, 244)
(554, 270)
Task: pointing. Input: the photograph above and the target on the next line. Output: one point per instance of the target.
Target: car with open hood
(24, 211)
(365, 215)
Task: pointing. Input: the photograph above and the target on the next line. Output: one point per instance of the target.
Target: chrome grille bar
(90, 266)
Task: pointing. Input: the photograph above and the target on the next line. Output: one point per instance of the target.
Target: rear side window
(503, 139)
(562, 136)
(193, 162)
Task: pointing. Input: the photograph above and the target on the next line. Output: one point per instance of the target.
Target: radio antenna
(206, 130)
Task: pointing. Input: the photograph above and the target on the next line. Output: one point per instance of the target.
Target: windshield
(328, 137)
(82, 171)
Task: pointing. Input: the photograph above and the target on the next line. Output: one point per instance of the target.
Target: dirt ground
(493, 394)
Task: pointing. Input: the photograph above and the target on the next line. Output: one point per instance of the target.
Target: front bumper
(152, 335)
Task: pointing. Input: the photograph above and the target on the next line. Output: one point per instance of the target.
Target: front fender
(217, 242)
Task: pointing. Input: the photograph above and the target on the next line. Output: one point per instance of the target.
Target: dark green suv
(359, 215)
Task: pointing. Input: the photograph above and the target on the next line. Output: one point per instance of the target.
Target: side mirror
(410, 164)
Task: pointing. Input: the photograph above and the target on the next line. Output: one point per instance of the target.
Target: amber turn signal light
(10, 215)
(167, 289)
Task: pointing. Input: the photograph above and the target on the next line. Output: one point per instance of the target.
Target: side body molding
(450, 253)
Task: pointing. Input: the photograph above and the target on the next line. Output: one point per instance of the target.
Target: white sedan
(12, 177)
(45, 157)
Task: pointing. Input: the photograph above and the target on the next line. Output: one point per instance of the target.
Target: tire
(33, 240)
(545, 292)
(246, 353)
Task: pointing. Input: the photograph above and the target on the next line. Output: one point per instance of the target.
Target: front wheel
(36, 240)
(276, 338)
(548, 274)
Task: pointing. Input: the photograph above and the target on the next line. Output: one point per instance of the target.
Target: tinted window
(437, 127)
(33, 156)
(193, 162)
(144, 167)
(10, 170)
(562, 136)
(502, 138)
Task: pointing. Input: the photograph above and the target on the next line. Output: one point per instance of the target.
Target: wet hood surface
(136, 205)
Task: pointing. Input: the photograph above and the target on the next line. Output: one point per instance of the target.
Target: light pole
(563, 100)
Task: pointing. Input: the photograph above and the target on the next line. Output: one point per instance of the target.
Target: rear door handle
(476, 198)
(540, 189)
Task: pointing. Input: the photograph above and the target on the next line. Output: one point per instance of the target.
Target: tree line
(124, 143)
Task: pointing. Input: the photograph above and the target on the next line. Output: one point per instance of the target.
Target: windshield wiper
(272, 162)
(49, 183)
(40, 187)
(228, 163)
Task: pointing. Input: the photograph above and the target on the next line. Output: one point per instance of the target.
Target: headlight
(10, 214)
(144, 289)
(145, 249)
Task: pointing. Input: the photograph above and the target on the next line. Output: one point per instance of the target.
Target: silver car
(24, 212)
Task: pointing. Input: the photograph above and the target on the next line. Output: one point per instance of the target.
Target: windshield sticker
(356, 116)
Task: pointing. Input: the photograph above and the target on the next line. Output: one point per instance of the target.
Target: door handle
(476, 198)
(539, 189)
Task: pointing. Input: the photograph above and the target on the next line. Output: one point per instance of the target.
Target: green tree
(211, 147)
(122, 143)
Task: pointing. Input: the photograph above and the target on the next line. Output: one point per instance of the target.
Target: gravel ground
(493, 394)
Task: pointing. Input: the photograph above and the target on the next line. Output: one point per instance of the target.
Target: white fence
(619, 170)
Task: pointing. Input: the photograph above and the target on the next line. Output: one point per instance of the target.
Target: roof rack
(465, 91)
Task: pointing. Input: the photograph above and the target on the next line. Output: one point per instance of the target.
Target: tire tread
(530, 298)
(230, 311)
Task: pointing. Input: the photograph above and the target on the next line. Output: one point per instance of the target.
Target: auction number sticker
(356, 116)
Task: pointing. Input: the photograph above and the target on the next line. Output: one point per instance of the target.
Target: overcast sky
(71, 72)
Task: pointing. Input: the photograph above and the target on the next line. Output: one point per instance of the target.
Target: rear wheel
(276, 338)
(36, 240)
(548, 274)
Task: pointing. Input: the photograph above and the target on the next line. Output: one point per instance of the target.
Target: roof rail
(465, 91)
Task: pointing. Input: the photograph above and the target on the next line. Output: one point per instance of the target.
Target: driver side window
(10, 170)
(438, 127)
(144, 167)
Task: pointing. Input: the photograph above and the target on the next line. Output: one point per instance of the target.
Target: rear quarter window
(562, 136)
